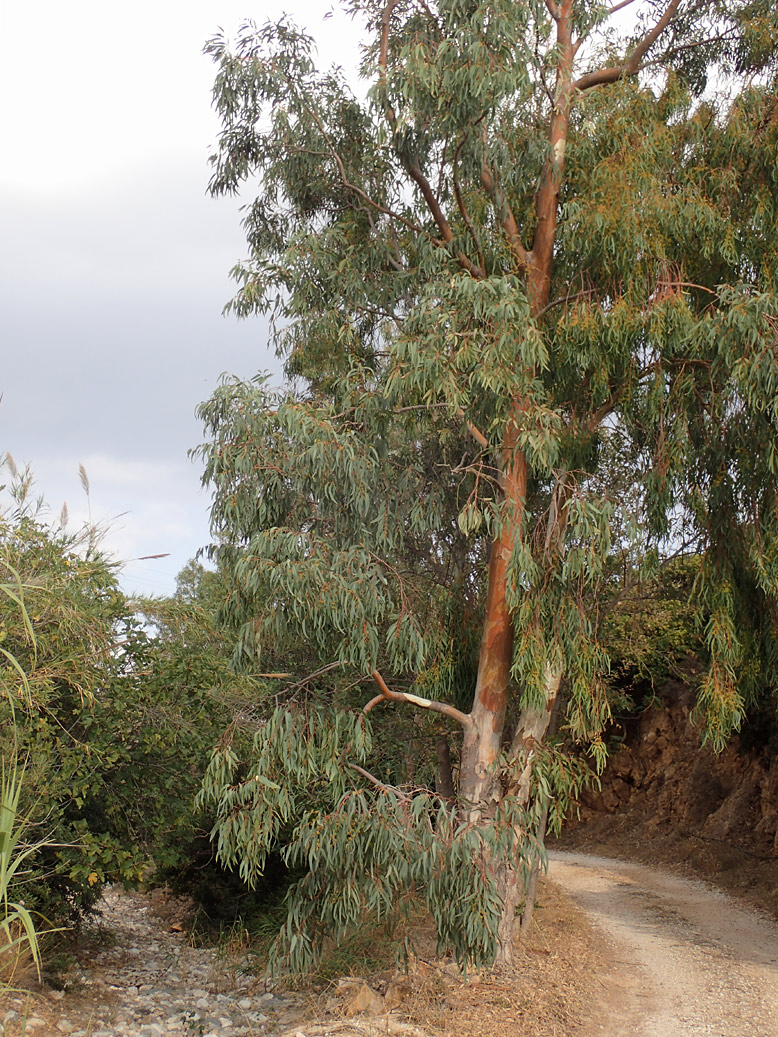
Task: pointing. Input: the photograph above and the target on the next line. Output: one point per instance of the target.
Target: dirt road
(690, 962)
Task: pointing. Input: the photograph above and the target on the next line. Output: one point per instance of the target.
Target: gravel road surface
(690, 962)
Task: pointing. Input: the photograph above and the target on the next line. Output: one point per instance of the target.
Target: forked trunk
(483, 742)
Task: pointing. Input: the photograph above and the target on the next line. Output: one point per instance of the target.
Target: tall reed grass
(19, 942)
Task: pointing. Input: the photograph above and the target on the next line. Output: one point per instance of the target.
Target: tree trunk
(510, 886)
(532, 881)
(483, 740)
(533, 726)
(445, 782)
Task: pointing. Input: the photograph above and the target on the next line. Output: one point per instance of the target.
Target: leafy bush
(112, 704)
(18, 933)
(652, 633)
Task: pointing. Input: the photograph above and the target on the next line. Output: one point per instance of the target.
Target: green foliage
(114, 723)
(18, 931)
(301, 788)
(661, 323)
(529, 324)
(652, 634)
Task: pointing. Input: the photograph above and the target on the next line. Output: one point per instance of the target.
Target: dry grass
(560, 976)
(549, 992)
(17, 965)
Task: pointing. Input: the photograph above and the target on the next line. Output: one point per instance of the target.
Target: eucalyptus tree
(540, 252)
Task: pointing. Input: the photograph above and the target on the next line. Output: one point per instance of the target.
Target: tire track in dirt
(690, 961)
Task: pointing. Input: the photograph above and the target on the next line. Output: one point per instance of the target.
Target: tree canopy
(526, 287)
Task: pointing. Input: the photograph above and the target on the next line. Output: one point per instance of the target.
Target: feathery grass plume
(12, 588)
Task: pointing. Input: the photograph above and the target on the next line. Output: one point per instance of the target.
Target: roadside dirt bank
(667, 801)
(689, 962)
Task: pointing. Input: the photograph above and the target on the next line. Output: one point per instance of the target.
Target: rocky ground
(137, 975)
(618, 950)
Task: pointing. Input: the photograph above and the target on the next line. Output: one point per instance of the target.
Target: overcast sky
(114, 263)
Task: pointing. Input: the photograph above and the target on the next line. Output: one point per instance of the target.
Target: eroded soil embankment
(666, 800)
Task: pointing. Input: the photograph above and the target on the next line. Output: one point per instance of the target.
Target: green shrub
(113, 705)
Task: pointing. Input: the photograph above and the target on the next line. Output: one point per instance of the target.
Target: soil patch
(668, 801)
(694, 962)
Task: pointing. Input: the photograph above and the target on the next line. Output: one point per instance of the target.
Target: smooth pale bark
(533, 725)
(531, 731)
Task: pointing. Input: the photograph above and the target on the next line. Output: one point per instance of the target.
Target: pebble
(149, 982)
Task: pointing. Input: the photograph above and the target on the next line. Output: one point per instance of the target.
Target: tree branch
(618, 7)
(413, 168)
(378, 783)
(632, 64)
(562, 299)
(502, 208)
(383, 59)
(463, 719)
(378, 206)
(474, 431)
(553, 9)
(541, 256)
(446, 233)
(463, 209)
